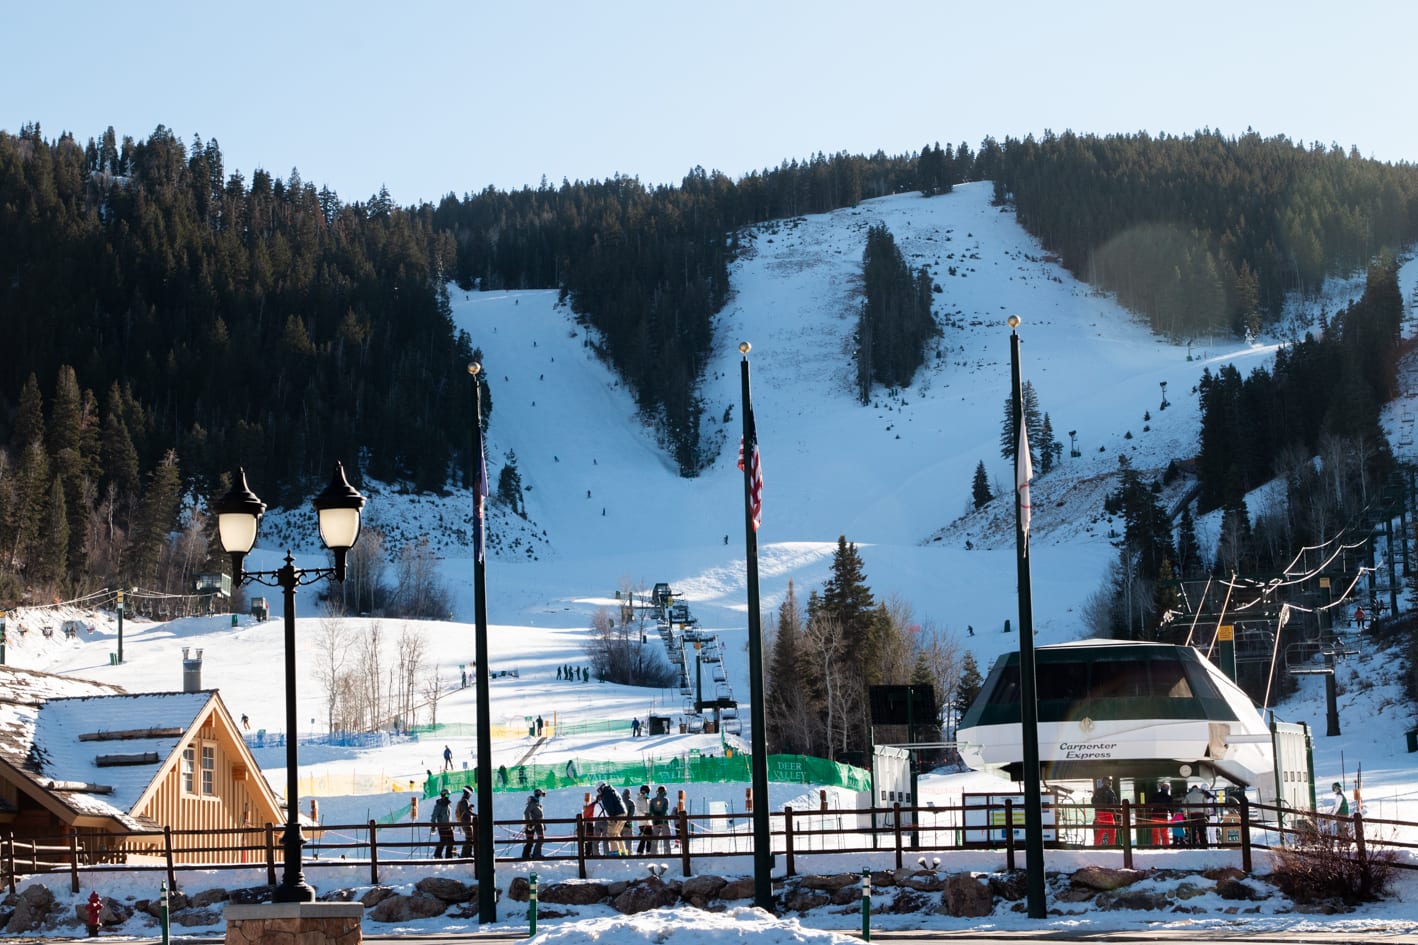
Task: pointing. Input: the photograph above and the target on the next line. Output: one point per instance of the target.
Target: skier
(464, 813)
(532, 826)
(442, 826)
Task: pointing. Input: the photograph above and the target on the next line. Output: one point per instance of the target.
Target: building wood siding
(233, 799)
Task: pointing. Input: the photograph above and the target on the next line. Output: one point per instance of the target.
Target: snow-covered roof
(92, 747)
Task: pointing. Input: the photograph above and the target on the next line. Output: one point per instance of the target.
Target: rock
(830, 881)
(1186, 890)
(375, 895)
(1104, 878)
(31, 908)
(1235, 889)
(698, 890)
(1218, 873)
(337, 895)
(904, 902)
(967, 897)
(741, 888)
(923, 881)
(849, 894)
(398, 908)
(520, 889)
(449, 890)
(196, 918)
(1012, 886)
(208, 897)
(882, 879)
(176, 902)
(1135, 900)
(801, 900)
(251, 896)
(644, 896)
(573, 894)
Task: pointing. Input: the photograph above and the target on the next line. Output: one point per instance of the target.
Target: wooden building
(86, 760)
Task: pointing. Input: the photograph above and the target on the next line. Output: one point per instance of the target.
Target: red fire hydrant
(94, 908)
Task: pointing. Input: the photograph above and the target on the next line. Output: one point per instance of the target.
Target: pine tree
(786, 701)
(1033, 421)
(154, 521)
(52, 547)
(980, 488)
(971, 682)
(509, 485)
(1189, 563)
(29, 417)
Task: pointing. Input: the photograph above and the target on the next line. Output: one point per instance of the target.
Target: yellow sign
(1226, 633)
(1324, 582)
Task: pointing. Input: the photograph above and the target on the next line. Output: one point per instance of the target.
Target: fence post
(1008, 834)
(270, 855)
(581, 845)
(788, 840)
(1126, 817)
(167, 851)
(1245, 835)
(682, 827)
(373, 853)
(10, 857)
(896, 830)
(1359, 845)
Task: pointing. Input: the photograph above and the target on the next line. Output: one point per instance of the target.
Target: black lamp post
(238, 515)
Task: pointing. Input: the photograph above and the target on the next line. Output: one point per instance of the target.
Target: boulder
(32, 906)
(573, 894)
(176, 902)
(906, 901)
(374, 895)
(802, 899)
(251, 896)
(399, 908)
(110, 914)
(829, 881)
(644, 896)
(923, 881)
(442, 887)
(698, 890)
(1105, 879)
(741, 888)
(967, 897)
(208, 897)
(1135, 900)
(1012, 886)
(197, 918)
(520, 890)
(1235, 889)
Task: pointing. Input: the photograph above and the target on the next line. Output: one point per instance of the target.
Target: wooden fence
(897, 830)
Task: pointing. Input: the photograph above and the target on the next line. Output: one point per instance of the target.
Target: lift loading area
(698, 657)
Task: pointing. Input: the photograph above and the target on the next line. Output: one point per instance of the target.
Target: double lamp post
(238, 515)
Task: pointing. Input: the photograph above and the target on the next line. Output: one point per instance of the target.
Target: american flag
(756, 489)
(1023, 472)
(479, 499)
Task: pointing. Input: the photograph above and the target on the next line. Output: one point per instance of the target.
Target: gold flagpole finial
(1013, 321)
(744, 347)
(474, 368)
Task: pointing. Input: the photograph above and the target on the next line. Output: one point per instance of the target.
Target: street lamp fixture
(238, 516)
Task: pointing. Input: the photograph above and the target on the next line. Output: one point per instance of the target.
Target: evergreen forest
(167, 320)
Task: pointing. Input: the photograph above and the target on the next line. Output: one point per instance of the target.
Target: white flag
(1023, 471)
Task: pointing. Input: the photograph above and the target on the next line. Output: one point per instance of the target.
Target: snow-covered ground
(606, 511)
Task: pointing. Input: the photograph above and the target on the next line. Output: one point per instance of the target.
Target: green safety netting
(717, 769)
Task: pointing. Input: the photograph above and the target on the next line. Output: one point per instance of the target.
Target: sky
(606, 510)
(448, 96)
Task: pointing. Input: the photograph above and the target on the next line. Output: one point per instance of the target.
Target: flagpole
(483, 862)
(1028, 702)
(758, 745)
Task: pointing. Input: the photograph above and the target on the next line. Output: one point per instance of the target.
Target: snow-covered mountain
(607, 511)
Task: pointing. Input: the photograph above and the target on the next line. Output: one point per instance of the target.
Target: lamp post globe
(238, 516)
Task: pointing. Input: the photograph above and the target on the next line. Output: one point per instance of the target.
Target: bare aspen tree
(332, 648)
(411, 653)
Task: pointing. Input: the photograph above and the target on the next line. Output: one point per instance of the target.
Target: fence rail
(898, 830)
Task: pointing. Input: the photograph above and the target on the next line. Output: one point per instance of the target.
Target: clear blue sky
(429, 98)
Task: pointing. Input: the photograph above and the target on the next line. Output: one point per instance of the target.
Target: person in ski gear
(645, 845)
(447, 758)
(464, 813)
(614, 810)
(443, 826)
(660, 819)
(533, 826)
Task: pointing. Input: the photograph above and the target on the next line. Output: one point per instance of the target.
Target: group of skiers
(442, 820)
(613, 819)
